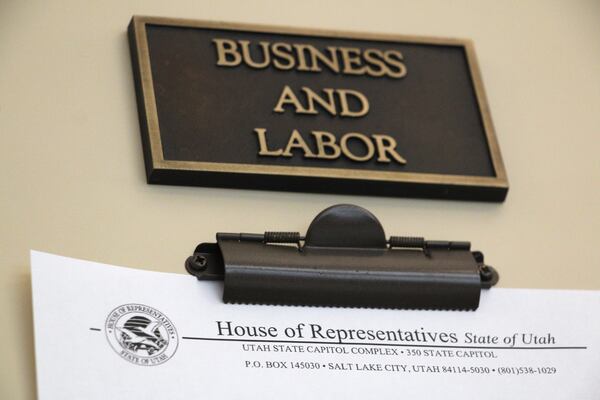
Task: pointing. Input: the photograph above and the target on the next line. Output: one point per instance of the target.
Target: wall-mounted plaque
(257, 107)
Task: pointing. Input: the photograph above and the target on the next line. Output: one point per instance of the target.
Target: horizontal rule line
(387, 344)
(95, 329)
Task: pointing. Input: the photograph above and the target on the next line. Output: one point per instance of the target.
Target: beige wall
(72, 172)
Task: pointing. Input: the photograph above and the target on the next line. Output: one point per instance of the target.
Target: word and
(328, 103)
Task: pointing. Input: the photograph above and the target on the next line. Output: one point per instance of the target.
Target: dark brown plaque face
(276, 108)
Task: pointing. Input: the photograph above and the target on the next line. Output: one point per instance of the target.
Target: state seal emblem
(141, 334)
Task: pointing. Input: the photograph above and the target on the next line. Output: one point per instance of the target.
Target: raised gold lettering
(302, 65)
(288, 97)
(387, 145)
(395, 58)
(326, 140)
(346, 112)
(374, 57)
(362, 138)
(308, 58)
(327, 147)
(225, 48)
(296, 142)
(247, 56)
(283, 51)
(262, 144)
(312, 97)
(352, 61)
(316, 56)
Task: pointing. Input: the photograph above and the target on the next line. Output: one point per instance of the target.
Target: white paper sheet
(104, 332)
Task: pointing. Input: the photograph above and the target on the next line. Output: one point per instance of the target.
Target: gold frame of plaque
(165, 170)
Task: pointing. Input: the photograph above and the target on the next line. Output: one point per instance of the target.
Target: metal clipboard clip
(344, 260)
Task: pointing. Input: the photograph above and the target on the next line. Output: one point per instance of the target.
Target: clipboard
(344, 260)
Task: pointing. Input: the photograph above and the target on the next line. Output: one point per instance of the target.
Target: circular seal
(141, 334)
